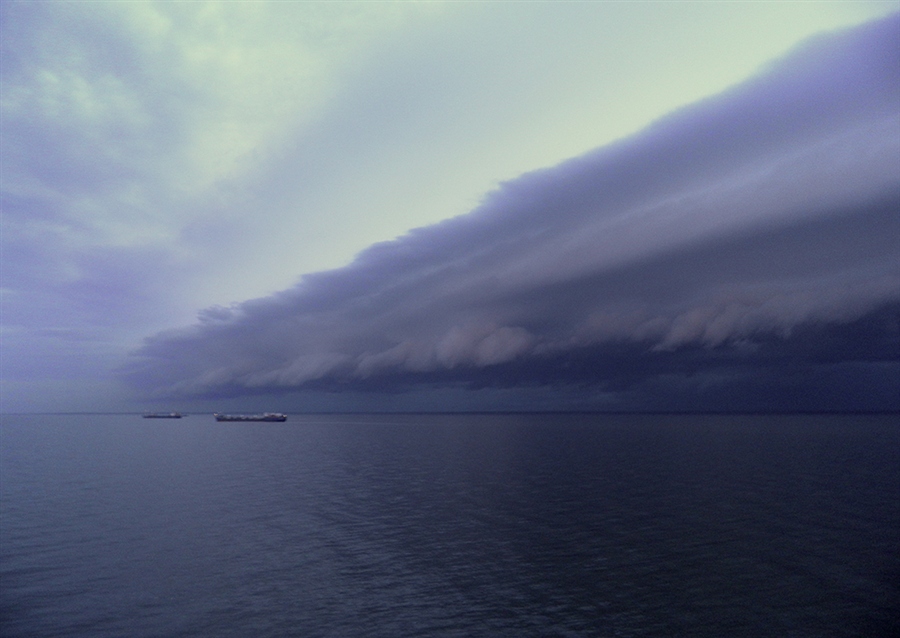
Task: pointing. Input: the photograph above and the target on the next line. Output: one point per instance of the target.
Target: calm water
(537, 525)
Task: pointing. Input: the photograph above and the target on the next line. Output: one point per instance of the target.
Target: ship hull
(267, 418)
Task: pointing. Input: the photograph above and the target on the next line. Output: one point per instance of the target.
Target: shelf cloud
(743, 246)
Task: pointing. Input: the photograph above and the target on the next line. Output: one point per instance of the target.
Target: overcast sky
(586, 205)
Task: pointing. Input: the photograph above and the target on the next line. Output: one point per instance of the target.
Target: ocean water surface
(450, 525)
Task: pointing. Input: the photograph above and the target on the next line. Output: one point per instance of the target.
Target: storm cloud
(741, 250)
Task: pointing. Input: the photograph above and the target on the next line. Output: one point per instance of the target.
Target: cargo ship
(163, 415)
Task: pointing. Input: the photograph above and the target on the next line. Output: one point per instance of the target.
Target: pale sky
(161, 160)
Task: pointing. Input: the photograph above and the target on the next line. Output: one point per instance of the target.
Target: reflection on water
(438, 525)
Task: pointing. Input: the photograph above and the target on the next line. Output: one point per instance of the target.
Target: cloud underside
(746, 244)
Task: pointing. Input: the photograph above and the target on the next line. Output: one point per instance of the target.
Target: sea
(450, 525)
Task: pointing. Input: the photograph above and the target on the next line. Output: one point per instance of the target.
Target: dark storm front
(537, 525)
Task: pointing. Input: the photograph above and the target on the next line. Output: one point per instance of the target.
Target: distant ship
(265, 416)
(162, 415)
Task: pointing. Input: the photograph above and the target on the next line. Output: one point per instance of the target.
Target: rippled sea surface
(448, 525)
